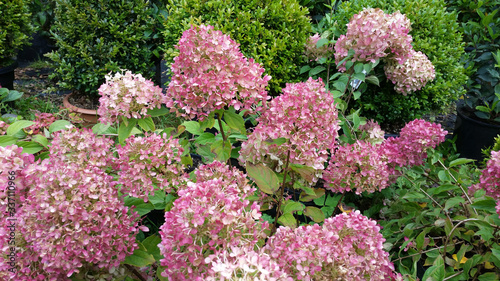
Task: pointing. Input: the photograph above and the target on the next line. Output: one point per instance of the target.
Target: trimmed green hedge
(95, 37)
(15, 29)
(270, 31)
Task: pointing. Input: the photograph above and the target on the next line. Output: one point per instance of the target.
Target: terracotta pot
(89, 116)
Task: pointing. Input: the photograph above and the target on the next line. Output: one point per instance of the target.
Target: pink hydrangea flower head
(412, 75)
(372, 132)
(345, 247)
(373, 34)
(149, 163)
(306, 117)
(410, 148)
(246, 264)
(42, 121)
(82, 146)
(3, 127)
(73, 216)
(312, 52)
(490, 177)
(360, 166)
(208, 218)
(128, 95)
(211, 73)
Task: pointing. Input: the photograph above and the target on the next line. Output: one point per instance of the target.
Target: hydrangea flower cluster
(490, 179)
(360, 167)
(354, 250)
(128, 95)
(42, 120)
(83, 147)
(3, 127)
(240, 264)
(211, 73)
(373, 34)
(148, 163)
(73, 216)
(366, 166)
(312, 52)
(412, 75)
(371, 132)
(306, 116)
(208, 218)
(410, 148)
(13, 162)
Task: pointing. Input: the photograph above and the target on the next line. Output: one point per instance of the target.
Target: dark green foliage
(15, 29)
(96, 37)
(436, 33)
(272, 32)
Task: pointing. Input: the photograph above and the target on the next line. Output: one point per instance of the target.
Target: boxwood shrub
(95, 37)
(15, 29)
(270, 31)
(436, 33)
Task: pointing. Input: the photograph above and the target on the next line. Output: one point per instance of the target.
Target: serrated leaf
(41, 140)
(151, 245)
(486, 204)
(100, 128)
(306, 172)
(235, 121)
(29, 147)
(292, 207)
(435, 272)
(125, 131)
(59, 125)
(265, 178)
(146, 124)
(452, 202)
(221, 149)
(288, 219)
(140, 257)
(155, 112)
(316, 70)
(193, 127)
(205, 138)
(7, 140)
(315, 214)
(489, 276)
(460, 161)
(17, 126)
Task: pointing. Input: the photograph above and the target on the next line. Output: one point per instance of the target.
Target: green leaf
(18, 126)
(59, 125)
(193, 127)
(235, 121)
(321, 42)
(12, 96)
(288, 219)
(460, 161)
(140, 257)
(125, 131)
(315, 214)
(305, 172)
(489, 276)
(141, 207)
(155, 112)
(278, 141)
(435, 272)
(151, 246)
(265, 178)
(304, 69)
(486, 204)
(41, 140)
(158, 199)
(7, 140)
(221, 149)
(146, 124)
(307, 196)
(205, 138)
(316, 70)
(29, 147)
(452, 202)
(292, 207)
(100, 128)
(373, 80)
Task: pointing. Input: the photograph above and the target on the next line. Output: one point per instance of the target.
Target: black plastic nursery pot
(473, 135)
(7, 76)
